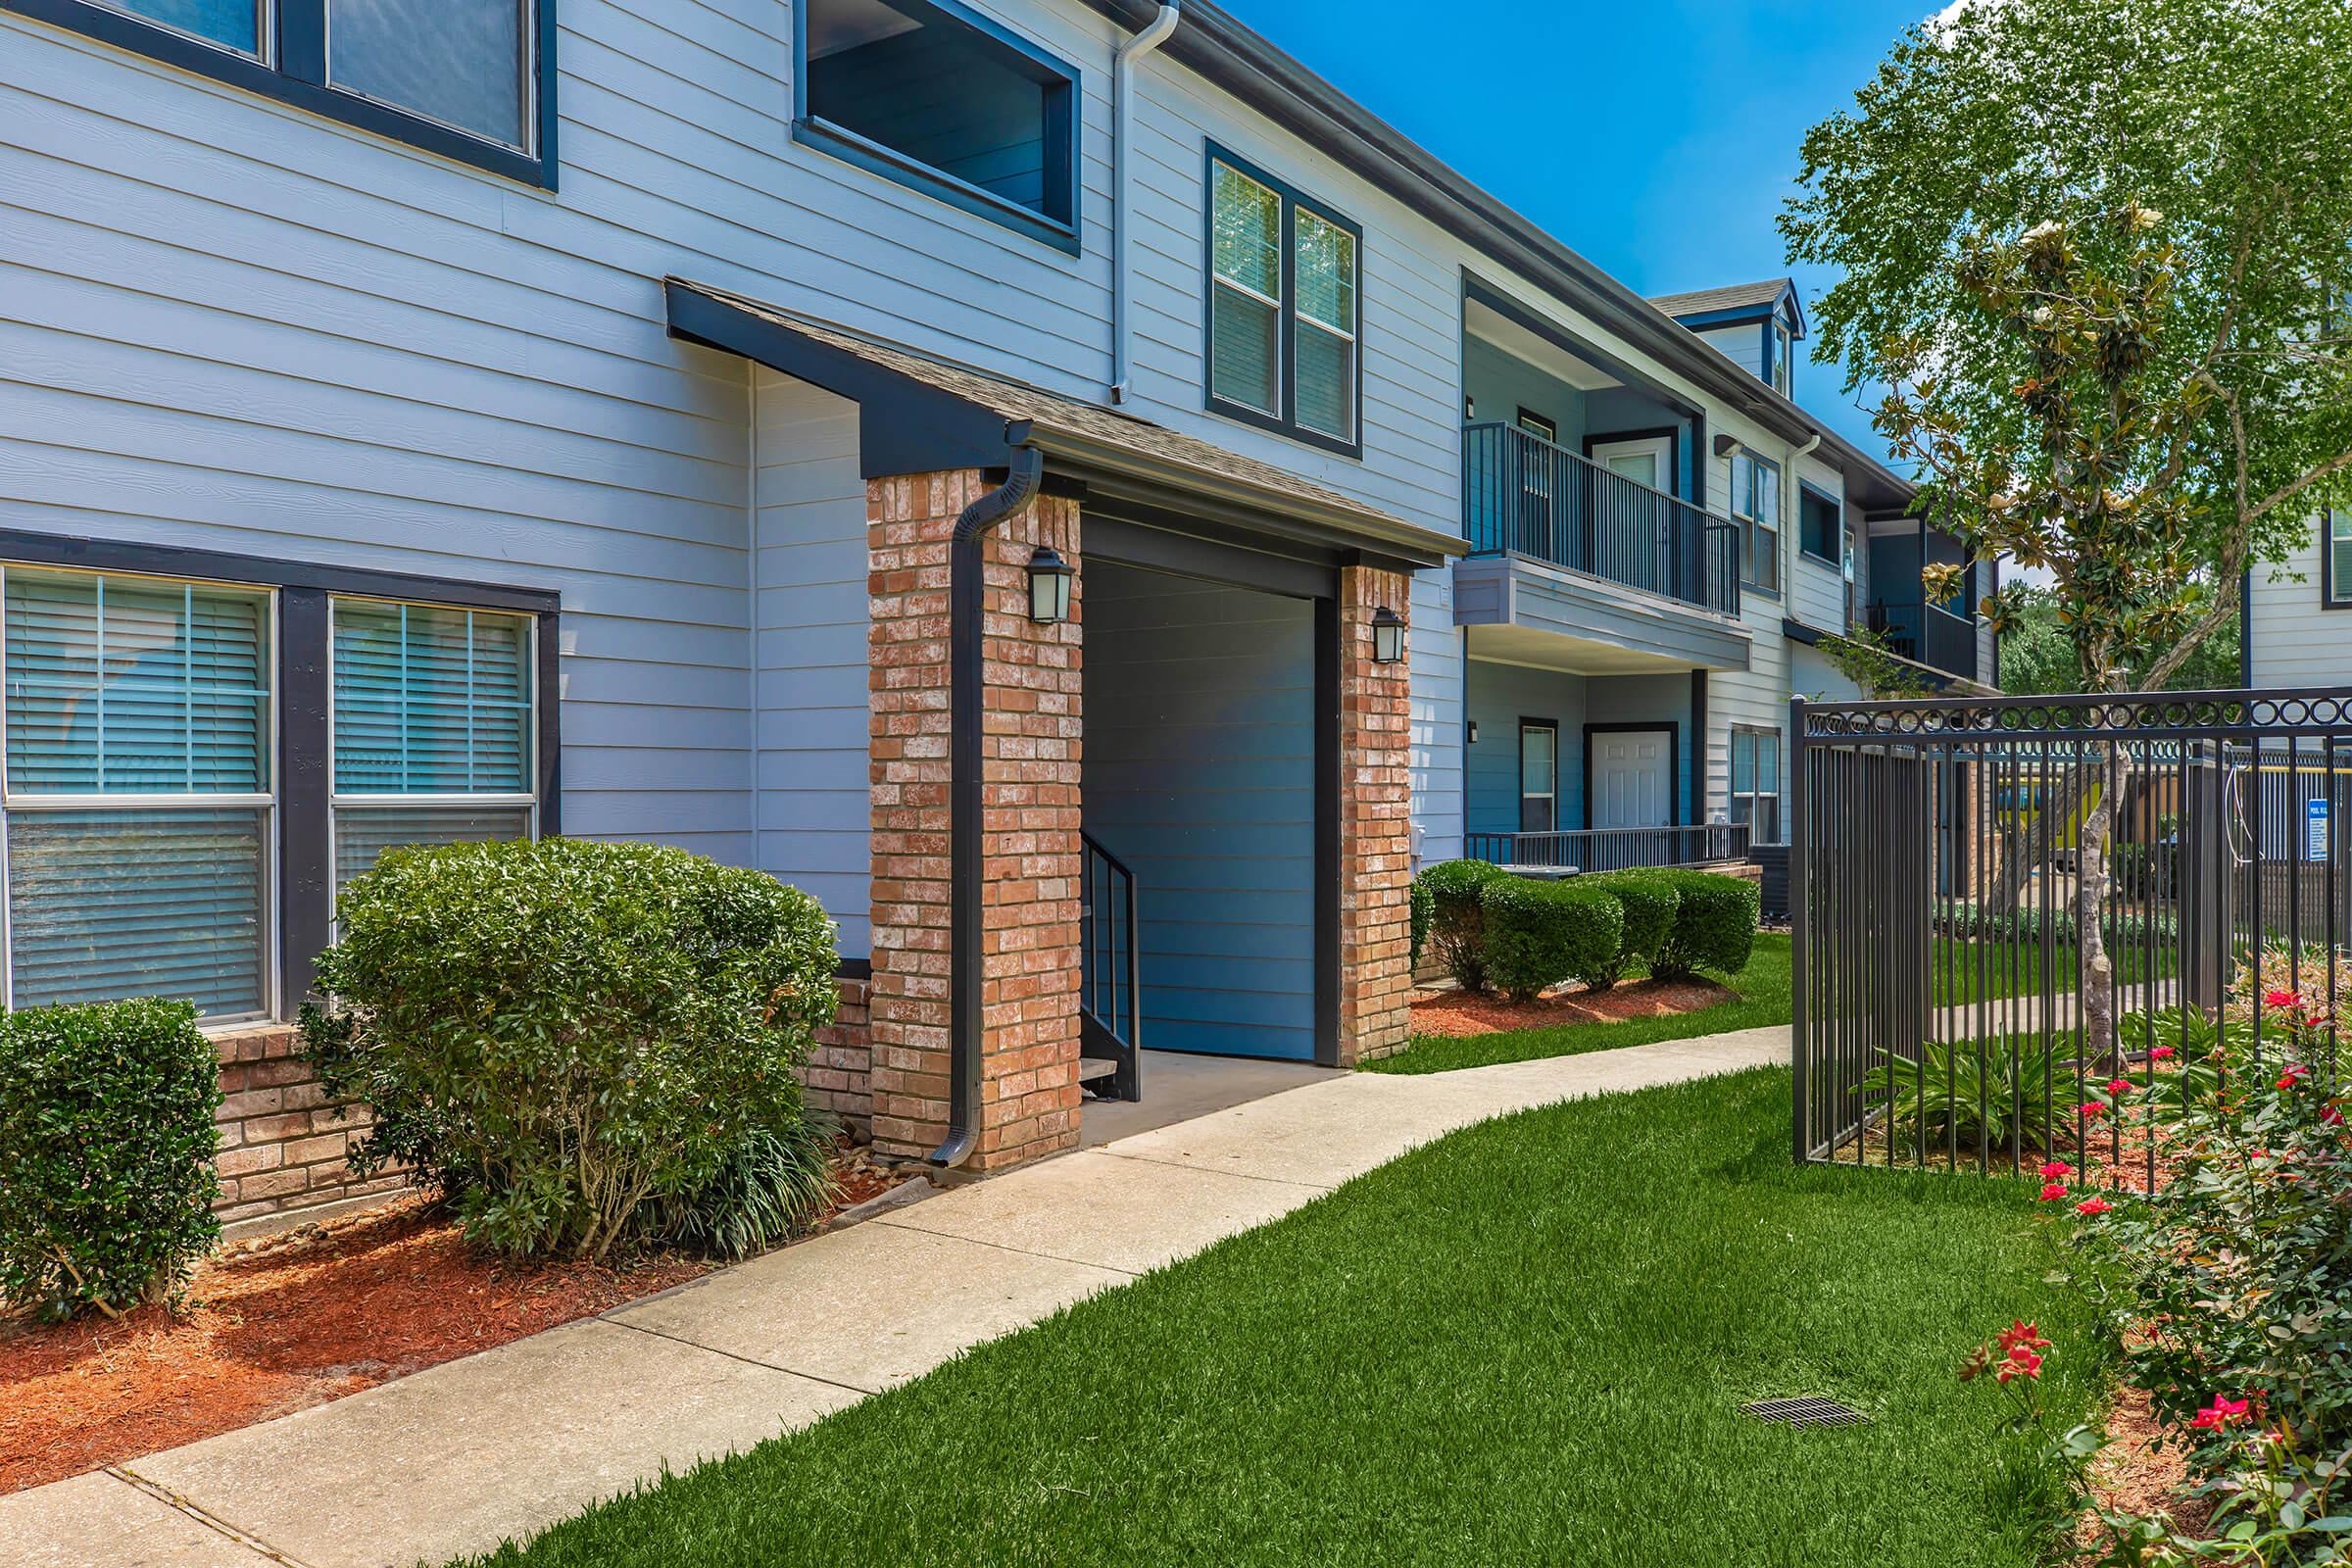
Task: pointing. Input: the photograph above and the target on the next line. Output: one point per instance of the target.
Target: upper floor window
(463, 79)
(2338, 526)
(1284, 343)
(1756, 507)
(1818, 532)
(939, 98)
(1783, 358)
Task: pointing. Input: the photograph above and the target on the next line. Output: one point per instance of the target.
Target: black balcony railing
(1930, 634)
(1611, 848)
(1524, 494)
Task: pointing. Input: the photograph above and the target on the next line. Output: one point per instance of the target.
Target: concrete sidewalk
(459, 1458)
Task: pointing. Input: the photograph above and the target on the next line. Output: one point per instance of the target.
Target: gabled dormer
(1757, 325)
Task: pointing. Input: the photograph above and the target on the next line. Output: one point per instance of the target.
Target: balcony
(1526, 496)
(1928, 634)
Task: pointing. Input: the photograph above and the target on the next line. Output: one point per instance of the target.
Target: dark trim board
(1123, 535)
(1697, 811)
(297, 78)
(1329, 779)
(263, 572)
(1672, 729)
(1292, 198)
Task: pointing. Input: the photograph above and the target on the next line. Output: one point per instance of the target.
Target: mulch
(284, 1322)
(1460, 1013)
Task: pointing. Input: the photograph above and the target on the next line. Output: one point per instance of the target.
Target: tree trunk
(2095, 972)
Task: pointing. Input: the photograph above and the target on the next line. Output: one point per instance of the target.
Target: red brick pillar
(1376, 797)
(1030, 853)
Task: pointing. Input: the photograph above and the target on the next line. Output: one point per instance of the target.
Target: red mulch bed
(284, 1322)
(1457, 1013)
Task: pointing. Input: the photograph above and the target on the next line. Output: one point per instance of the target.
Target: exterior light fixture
(1387, 636)
(1050, 587)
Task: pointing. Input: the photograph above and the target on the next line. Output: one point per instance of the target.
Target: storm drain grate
(1805, 1413)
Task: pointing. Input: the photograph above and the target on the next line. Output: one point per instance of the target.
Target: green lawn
(2016, 970)
(1523, 1344)
(1763, 987)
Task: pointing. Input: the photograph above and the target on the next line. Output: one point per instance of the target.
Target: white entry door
(1646, 460)
(1633, 778)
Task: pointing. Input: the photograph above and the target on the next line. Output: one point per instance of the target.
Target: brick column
(1030, 851)
(1374, 823)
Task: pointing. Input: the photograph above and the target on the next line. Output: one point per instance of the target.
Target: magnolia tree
(2097, 252)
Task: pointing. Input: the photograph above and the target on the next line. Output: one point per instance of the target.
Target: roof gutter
(965, 959)
(1122, 141)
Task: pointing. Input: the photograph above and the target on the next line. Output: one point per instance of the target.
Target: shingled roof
(1758, 296)
(1063, 426)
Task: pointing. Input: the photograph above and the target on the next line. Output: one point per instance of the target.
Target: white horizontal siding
(2296, 640)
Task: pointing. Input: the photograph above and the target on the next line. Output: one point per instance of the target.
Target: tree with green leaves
(2096, 251)
(2038, 656)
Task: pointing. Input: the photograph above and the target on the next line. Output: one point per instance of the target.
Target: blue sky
(1659, 139)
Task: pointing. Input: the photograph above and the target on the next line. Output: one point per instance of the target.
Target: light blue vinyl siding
(1498, 698)
(1200, 775)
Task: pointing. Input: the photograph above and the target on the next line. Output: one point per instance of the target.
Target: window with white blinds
(1284, 337)
(140, 789)
(434, 729)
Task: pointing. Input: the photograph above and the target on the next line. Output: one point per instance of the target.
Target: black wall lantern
(1387, 636)
(1050, 587)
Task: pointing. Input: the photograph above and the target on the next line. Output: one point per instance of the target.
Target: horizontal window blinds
(430, 701)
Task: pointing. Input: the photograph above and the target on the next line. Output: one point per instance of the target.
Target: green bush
(1538, 934)
(1650, 902)
(1978, 1096)
(1456, 920)
(1424, 906)
(1714, 925)
(585, 1044)
(106, 1155)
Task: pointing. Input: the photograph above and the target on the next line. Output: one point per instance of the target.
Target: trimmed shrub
(587, 1045)
(106, 1155)
(1650, 902)
(1422, 905)
(1457, 920)
(1538, 934)
(1714, 925)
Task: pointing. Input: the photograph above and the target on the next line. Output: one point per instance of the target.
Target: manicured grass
(2014, 969)
(1763, 987)
(1527, 1342)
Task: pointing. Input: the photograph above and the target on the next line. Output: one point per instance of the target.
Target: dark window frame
(2332, 597)
(293, 71)
(1750, 525)
(1519, 778)
(1777, 794)
(1805, 488)
(1057, 227)
(305, 902)
(1292, 199)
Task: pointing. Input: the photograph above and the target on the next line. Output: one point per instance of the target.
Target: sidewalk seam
(196, 1511)
(858, 1390)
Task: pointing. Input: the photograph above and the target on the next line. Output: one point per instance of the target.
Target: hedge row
(1491, 929)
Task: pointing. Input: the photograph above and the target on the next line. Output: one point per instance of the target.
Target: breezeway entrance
(1200, 777)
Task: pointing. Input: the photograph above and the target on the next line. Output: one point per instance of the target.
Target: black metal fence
(1948, 1010)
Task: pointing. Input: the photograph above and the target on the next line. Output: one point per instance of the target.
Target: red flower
(2093, 1110)
(2289, 1078)
(2022, 1363)
(2334, 1115)
(2020, 1333)
(2053, 1192)
(2281, 999)
(2057, 1170)
(2093, 1206)
(2162, 1053)
(2219, 1414)
(2118, 1088)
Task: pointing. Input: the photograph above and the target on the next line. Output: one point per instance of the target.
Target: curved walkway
(458, 1458)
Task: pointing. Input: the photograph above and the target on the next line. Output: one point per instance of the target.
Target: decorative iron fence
(1525, 494)
(1110, 984)
(1950, 1010)
(1610, 849)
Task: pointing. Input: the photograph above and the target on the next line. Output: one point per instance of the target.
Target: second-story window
(1285, 349)
(2337, 534)
(1756, 507)
(944, 101)
(459, 78)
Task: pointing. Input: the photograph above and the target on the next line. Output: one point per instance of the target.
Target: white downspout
(1122, 136)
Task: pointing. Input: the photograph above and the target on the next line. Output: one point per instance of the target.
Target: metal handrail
(1612, 848)
(1111, 944)
(1526, 495)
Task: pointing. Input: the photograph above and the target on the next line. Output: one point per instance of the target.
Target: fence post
(1800, 850)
